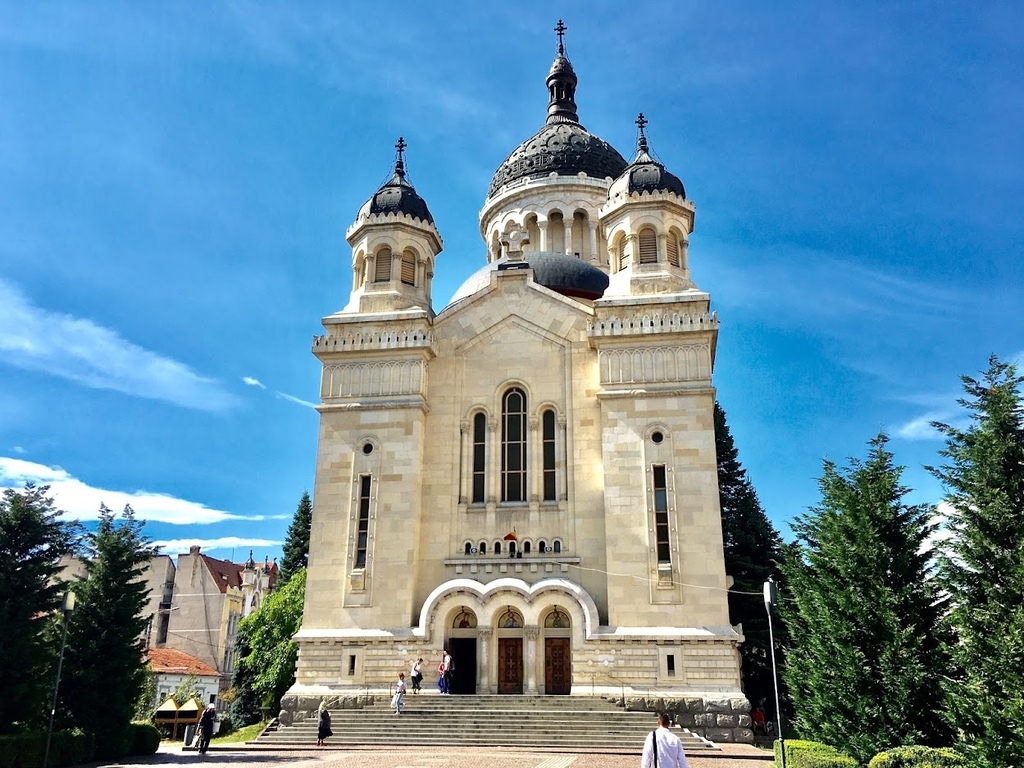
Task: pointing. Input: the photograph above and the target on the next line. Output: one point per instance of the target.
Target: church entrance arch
(509, 631)
(557, 653)
(462, 645)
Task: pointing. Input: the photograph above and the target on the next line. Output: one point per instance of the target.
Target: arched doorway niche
(556, 629)
(461, 642)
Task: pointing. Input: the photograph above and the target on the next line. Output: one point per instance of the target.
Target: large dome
(559, 272)
(565, 148)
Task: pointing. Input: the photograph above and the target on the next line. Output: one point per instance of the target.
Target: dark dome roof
(564, 274)
(565, 148)
(397, 196)
(645, 174)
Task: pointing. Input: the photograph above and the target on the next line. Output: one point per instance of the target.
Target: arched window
(497, 547)
(479, 457)
(556, 232)
(513, 445)
(409, 268)
(469, 548)
(382, 268)
(648, 246)
(558, 546)
(672, 245)
(557, 619)
(623, 257)
(483, 547)
(511, 549)
(548, 450)
(510, 619)
(542, 547)
(526, 547)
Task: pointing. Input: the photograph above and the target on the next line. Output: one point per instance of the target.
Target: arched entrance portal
(462, 637)
(510, 651)
(557, 653)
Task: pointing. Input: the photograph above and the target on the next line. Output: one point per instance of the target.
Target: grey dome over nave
(559, 272)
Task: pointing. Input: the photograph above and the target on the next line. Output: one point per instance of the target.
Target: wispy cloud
(97, 357)
(172, 546)
(296, 400)
(250, 381)
(921, 427)
(18, 450)
(80, 501)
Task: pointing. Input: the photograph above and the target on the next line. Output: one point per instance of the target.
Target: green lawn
(247, 733)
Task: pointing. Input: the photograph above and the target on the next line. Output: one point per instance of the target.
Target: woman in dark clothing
(206, 728)
(324, 728)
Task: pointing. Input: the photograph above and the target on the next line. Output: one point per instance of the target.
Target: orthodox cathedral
(525, 477)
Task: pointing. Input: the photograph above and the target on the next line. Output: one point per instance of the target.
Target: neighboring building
(528, 476)
(173, 667)
(210, 597)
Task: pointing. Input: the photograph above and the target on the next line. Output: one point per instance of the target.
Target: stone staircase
(560, 723)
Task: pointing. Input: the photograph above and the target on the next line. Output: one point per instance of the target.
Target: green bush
(26, 750)
(918, 757)
(812, 754)
(227, 725)
(145, 739)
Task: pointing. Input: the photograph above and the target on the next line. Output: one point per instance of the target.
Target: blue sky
(176, 180)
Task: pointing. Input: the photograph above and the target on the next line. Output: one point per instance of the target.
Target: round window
(367, 448)
(657, 437)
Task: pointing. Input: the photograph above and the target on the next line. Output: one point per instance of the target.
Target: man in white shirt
(669, 748)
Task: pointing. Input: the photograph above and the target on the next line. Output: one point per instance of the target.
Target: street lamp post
(67, 608)
(771, 597)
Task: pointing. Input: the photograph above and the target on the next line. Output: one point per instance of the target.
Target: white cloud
(174, 546)
(97, 357)
(296, 400)
(81, 501)
(19, 450)
(249, 380)
(920, 428)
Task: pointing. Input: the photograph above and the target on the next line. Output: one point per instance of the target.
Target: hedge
(918, 757)
(145, 739)
(26, 750)
(812, 754)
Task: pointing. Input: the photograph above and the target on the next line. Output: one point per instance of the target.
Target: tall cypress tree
(32, 541)
(296, 545)
(104, 668)
(867, 660)
(753, 549)
(984, 478)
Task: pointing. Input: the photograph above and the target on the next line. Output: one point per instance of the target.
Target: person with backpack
(662, 748)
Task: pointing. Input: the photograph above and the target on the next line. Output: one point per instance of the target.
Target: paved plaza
(731, 756)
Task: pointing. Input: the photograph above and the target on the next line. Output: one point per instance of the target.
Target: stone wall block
(722, 735)
(743, 721)
(694, 704)
(685, 719)
(717, 705)
(744, 735)
(636, 704)
(704, 720)
(726, 721)
(739, 704)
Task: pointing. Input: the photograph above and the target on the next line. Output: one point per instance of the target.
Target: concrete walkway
(241, 756)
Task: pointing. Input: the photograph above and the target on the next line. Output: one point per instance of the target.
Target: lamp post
(67, 608)
(771, 597)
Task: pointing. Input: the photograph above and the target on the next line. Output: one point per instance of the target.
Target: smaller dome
(559, 272)
(645, 174)
(397, 195)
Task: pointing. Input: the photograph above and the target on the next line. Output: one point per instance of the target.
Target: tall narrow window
(661, 514)
(409, 268)
(623, 256)
(513, 445)
(363, 530)
(382, 267)
(648, 246)
(548, 435)
(479, 456)
(672, 245)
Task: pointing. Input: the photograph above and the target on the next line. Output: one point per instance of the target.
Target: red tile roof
(171, 662)
(225, 574)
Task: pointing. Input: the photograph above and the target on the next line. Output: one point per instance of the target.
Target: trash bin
(190, 732)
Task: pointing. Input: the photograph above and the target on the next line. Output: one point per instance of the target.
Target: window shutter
(382, 269)
(408, 268)
(623, 256)
(673, 250)
(648, 247)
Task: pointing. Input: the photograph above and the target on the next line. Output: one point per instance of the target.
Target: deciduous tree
(984, 573)
(867, 659)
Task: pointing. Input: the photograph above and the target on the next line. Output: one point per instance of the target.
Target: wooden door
(510, 665)
(557, 665)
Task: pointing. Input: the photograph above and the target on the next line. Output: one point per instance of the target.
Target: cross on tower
(641, 141)
(560, 29)
(641, 121)
(400, 160)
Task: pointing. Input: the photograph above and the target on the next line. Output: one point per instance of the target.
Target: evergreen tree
(104, 668)
(867, 661)
(272, 652)
(984, 572)
(753, 549)
(296, 545)
(32, 541)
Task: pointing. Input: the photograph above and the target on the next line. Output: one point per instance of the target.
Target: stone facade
(527, 477)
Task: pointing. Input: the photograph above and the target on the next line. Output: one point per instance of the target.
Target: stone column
(493, 459)
(662, 248)
(484, 635)
(593, 240)
(535, 457)
(530, 635)
(542, 225)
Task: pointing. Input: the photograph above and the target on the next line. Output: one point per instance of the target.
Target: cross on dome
(641, 142)
(400, 159)
(560, 30)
